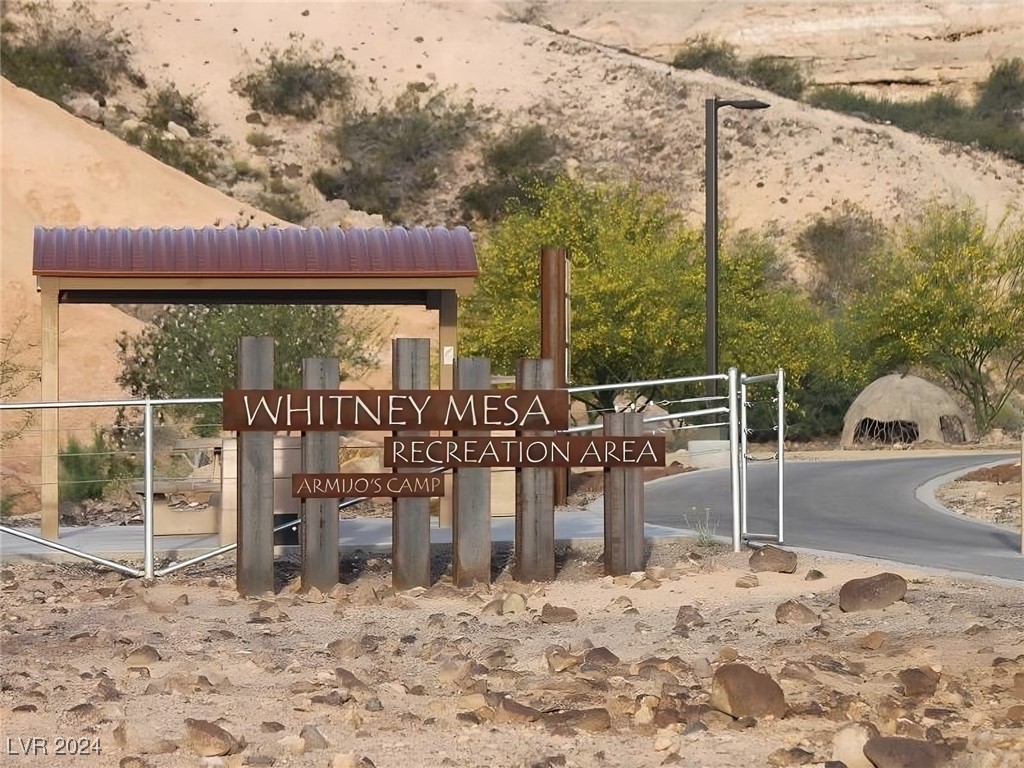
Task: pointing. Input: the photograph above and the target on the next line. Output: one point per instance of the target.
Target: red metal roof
(254, 252)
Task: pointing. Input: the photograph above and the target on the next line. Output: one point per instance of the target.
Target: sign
(558, 451)
(336, 410)
(334, 485)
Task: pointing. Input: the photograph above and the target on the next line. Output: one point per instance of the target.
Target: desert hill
(594, 73)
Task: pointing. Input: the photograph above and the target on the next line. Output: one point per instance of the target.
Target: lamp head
(744, 103)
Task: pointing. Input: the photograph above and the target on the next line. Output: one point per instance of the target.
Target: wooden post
(1022, 494)
(623, 503)
(447, 336)
(471, 523)
(255, 555)
(319, 530)
(49, 421)
(554, 332)
(410, 517)
(535, 493)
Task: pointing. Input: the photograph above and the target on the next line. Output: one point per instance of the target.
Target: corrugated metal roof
(254, 252)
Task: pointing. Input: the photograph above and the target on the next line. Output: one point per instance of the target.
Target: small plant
(260, 140)
(193, 158)
(704, 525)
(56, 52)
(244, 170)
(715, 56)
(15, 378)
(297, 81)
(529, 12)
(776, 74)
(169, 104)
(86, 471)
(280, 200)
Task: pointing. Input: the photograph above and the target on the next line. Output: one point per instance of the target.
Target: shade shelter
(426, 267)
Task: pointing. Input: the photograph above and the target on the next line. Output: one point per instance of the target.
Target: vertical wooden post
(447, 336)
(623, 503)
(554, 332)
(410, 517)
(1022, 494)
(255, 554)
(49, 422)
(471, 523)
(319, 530)
(535, 494)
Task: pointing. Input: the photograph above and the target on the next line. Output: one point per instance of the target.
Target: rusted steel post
(471, 505)
(554, 332)
(410, 517)
(623, 503)
(255, 490)
(319, 530)
(535, 493)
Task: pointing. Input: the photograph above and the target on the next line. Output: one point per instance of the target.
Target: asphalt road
(873, 508)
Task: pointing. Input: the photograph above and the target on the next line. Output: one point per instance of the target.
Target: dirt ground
(588, 670)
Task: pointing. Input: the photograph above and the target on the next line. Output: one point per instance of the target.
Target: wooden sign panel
(347, 410)
(334, 485)
(559, 451)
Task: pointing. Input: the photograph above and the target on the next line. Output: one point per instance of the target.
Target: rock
(874, 640)
(86, 108)
(920, 682)
(142, 656)
(347, 680)
(813, 575)
(552, 614)
(600, 657)
(509, 711)
(179, 132)
(794, 612)
(271, 726)
(848, 744)
(512, 604)
(208, 739)
(560, 659)
(254, 118)
(791, 756)
(132, 761)
(898, 752)
(590, 720)
(872, 593)
(687, 617)
(740, 691)
(453, 670)
(748, 581)
(345, 648)
(345, 760)
(312, 738)
(774, 559)
(364, 594)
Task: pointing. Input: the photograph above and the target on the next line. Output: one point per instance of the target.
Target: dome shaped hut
(899, 409)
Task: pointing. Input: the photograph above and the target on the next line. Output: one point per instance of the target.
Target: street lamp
(711, 107)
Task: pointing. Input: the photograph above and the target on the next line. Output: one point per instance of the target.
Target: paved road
(873, 508)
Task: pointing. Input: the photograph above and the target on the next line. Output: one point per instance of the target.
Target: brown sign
(310, 410)
(333, 485)
(574, 451)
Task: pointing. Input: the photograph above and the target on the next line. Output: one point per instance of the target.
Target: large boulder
(740, 691)
(872, 593)
(774, 559)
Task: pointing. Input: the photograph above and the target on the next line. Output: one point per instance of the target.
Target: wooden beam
(49, 422)
(535, 494)
(471, 525)
(410, 517)
(623, 503)
(254, 572)
(319, 530)
(448, 314)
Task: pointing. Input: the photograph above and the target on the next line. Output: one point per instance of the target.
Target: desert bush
(243, 169)
(56, 51)
(297, 81)
(776, 74)
(280, 200)
(1001, 94)
(193, 158)
(168, 104)
(514, 162)
(715, 56)
(87, 471)
(15, 377)
(260, 140)
(392, 157)
(528, 12)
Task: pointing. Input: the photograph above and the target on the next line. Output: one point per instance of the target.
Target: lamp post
(711, 107)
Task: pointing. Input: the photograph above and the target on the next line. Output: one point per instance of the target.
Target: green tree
(635, 286)
(191, 350)
(950, 296)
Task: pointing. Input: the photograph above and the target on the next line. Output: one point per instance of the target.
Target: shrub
(703, 52)
(279, 200)
(297, 81)
(15, 378)
(529, 12)
(1001, 95)
(776, 74)
(168, 103)
(243, 169)
(85, 472)
(56, 53)
(515, 163)
(193, 158)
(260, 140)
(393, 156)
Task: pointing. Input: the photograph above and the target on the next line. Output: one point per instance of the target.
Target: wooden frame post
(255, 554)
(535, 493)
(554, 332)
(410, 517)
(447, 336)
(471, 523)
(49, 420)
(319, 530)
(623, 503)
